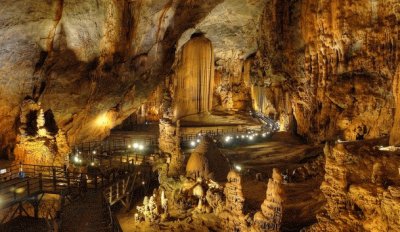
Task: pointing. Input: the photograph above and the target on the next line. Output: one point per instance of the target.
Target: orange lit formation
(207, 115)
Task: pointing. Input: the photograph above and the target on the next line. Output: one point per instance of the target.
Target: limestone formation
(148, 211)
(357, 201)
(169, 143)
(207, 162)
(35, 144)
(232, 215)
(334, 63)
(84, 58)
(197, 166)
(270, 216)
(194, 81)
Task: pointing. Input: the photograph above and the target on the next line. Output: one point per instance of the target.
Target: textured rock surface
(194, 81)
(169, 143)
(362, 189)
(336, 59)
(208, 162)
(270, 216)
(94, 63)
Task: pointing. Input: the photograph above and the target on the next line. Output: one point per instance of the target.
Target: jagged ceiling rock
(232, 27)
(91, 62)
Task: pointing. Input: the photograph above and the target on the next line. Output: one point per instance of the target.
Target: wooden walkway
(114, 181)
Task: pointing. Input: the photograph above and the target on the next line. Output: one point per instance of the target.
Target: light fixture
(140, 147)
(198, 140)
(192, 143)
(135, 145)
(251, 137)
(238, 168)
(129, 146)
(94, 152)
(92, 163)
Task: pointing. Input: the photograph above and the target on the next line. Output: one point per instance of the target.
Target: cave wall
(361, 186)
(92, 63)
(337, 60)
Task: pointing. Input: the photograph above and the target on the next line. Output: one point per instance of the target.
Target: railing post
(110, 197)
(127, 161)
(54, 179)
(117, 190)
(40, 182)
(68, 180)
(15, 193)
(28, 187)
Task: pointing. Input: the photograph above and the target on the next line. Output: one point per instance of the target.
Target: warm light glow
(135, 146)
(20, 190)
(198, 140)
(94, 152)
(228, 139)
(237, 167)
(103, 120)
(141, 147)
(192, 143)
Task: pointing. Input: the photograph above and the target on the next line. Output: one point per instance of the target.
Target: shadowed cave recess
(208, 115)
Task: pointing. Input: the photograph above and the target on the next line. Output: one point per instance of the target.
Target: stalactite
(194, 78)
(395, 132)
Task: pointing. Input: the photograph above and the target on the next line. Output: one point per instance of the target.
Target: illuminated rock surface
(325, 70)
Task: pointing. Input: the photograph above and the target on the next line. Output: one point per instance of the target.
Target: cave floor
(219, 119)
(283, 151)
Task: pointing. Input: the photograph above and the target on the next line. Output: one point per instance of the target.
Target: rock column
(194, 78)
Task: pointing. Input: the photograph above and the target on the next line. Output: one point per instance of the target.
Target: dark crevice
(50, 123)
(31, 123)
(42, 58)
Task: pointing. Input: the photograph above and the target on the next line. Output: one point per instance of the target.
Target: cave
(207, 115)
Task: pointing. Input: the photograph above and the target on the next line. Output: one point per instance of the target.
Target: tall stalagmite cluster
(194, 78)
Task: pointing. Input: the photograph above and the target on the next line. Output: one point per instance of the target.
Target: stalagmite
(40, 124)
(207, 161)
(169, 143)
(194, 78)
(270, 216)
(233, 216)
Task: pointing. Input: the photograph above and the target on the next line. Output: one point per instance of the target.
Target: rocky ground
(303, 199)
